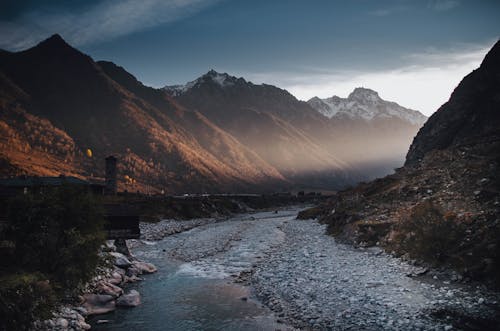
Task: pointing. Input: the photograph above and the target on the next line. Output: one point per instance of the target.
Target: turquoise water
(174, 300)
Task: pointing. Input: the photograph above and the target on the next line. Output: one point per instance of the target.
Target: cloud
(424, 85)
(388, 11)
(437, 5)
(105, 21)
(443, 5)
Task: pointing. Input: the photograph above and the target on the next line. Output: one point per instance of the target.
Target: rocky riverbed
(313, 282)
(269, 271)
(310, 281)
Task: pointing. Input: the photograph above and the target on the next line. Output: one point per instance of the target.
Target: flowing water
(194, 288)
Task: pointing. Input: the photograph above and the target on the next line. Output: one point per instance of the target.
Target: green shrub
(56, 233)
(24, 298)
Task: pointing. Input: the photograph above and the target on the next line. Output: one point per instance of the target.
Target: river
(267, 271)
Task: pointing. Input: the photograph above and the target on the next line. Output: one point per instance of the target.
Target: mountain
(443, 206)
(285, 132)
(366, 138)
(216, 133)
(369, 131)
(470, 117)
(57, 103)
(365, 104)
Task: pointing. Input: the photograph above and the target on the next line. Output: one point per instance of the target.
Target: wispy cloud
(443, 5)
(389, 10)
(104, 21)
(424, 85)
(437, 5)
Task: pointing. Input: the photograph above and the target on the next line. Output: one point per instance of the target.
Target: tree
(55, 234)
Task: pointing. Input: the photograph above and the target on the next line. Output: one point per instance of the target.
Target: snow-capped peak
(365, 104)
(220, 79)
(364, 95)
(223, 79)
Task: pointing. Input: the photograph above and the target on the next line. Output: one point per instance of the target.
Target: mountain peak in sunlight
(365, 104)
(221, 80)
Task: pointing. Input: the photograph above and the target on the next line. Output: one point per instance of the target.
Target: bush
(24, 298)
(56, 234)
(311, 213)
(429, 234)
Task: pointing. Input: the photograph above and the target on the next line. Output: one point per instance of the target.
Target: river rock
(133, 271)
(132, 279)
(131, 299)
(99, 303)
(144, 267)
(84, 325)
(110, 289)
(81, 310)
(121, 260)
(62, 323)
(116, 278)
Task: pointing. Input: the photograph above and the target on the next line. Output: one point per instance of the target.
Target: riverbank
(293, 275)
(103, 294)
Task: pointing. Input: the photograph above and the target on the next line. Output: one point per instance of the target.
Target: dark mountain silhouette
(471, 116)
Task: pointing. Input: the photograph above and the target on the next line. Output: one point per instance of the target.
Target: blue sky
(413, 52)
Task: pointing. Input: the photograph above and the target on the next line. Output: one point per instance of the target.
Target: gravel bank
(313, 282)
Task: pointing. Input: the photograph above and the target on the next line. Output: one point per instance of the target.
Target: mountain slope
(285, 132)
(443, 206)
(210, 137)
(368, 130)
(153, 137)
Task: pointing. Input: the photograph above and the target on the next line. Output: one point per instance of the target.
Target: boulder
(110, 289)
(84, 326)
(131, 299)
(116, 278)
(81, 310)
(99, 303)
(132, 279)
(121, 260)
(133, 271)
(144, 267)
(62, 323)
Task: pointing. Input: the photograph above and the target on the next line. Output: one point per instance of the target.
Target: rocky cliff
(443, 206)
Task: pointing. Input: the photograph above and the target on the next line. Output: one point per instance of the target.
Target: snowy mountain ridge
(364, 104)
(221, 79)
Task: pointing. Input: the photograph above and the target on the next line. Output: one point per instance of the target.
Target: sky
(413, 52)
